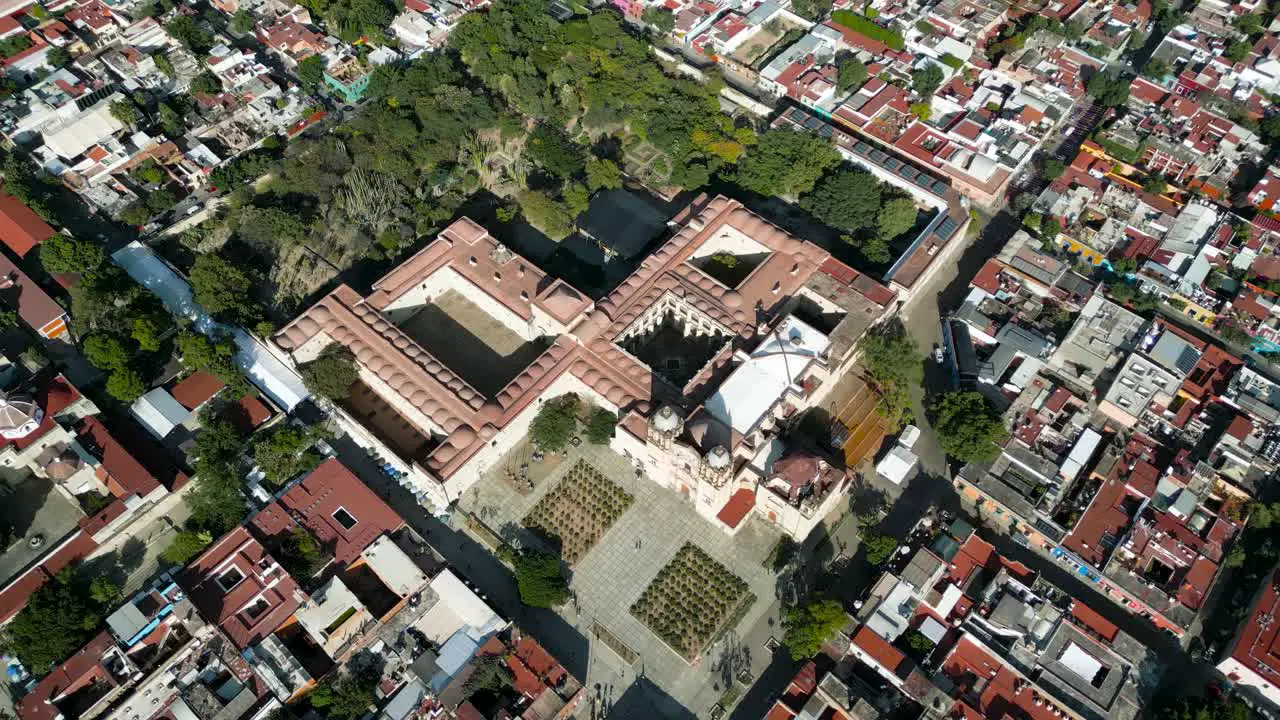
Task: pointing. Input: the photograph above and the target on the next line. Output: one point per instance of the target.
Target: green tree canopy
(540, 580)
(287, 451)
(894, 365)
(546, 213)
(1108, 88)
(603, 174)
(189, 34)
(66, 254)
(243, 21)
(126, 385)
(926, 80)
(224, 289)
(852, 72)
(311, 71)
(344, 697)
(659, 18)
(555, 423)
(332, 373)
(846, 198)
(786, 163)
(600, 426)
(216, 502)
(968, 428)
(106, 351)
(896, 217)
(57, 621)
(126, 112)
(807, 627)
(186, 545)
(1250, 24)
(551, 149)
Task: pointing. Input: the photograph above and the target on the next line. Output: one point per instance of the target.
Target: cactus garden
(691, 600)
(579, 511)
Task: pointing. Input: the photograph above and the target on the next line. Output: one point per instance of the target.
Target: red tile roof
(247, 414)
(881, 651)
(33, 305)
(1089, 618)
(120, 470)
(254, 606)
(80, 670)
(737, 508)
(20, 228)
(314, 502)
(195, 389)
(1258, 646)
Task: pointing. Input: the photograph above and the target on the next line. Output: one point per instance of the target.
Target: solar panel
(862, 147)
(878, 156)
(923, 181)
(826, 131)
(907, 172)
(939, 186)
(946, 227)
(892, 163)
(1187, 359)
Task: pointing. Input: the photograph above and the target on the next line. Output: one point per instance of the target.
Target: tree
(659, 18)
(807, 627)
(1050, 228)
(288, 451)
(1237, 51)
(600, 426)
(243, 21)
(894, 365)
(846, 198)
(1234, 334)
(135, 214)
(551, 149)
(300, 554)
(311, 71)
(874, 248)
(345, 698)
(1052, 168)
(126, 385)
(224, 289)
(1108, 88)
(190, 35)
(65, 254)
(895, 217)
(539, 579)
(546, 213)
(106, 351)
(57, 56)
(1156, 69)
(878, 547)
(968, 429)
(555, 423)
(922, 110)
(926, 80)
(332, 373)
(1154, 183)
(147, 331)
(57, 620)
(1251, 24)
(185, 546)
(164, 64)
(125, 111)
(216, 502)
(852, 72)
(603, 174)
(785, 163)
(199, 352)
(206, 83)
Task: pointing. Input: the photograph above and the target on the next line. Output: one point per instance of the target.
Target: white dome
(666, 420)
(19, 416)
(718, 458)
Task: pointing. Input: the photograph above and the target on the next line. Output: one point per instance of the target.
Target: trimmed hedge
(951, 61)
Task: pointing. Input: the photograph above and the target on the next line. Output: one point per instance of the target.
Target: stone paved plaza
(612, 576)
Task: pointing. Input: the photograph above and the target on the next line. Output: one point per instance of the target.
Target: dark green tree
(968, 428)
(189, 34)
(896, 217)
(600, 426)
(287, 451)
(845, 198)
(555, 423)
(332, 373)
(186, 545)
(1108, 88)
(224, 289)
(926, 80)
(659, 18)
(344, 698)
(786, 163)
(311, 71)
(852, 72)
(64, 254)
(57, 620)
(540, 580)
(807, 627)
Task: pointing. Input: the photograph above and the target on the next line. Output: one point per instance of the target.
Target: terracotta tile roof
(196, 389)
(33, 305)
(1089, 618)
(737, 508)
(20, 228)
(120, 470)
(1258, 646)
(254, 605)
(881, 651)
(80, 670)
(247, 414)
(315, 503)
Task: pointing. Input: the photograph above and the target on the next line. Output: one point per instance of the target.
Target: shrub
(185, 546)
(807, 627)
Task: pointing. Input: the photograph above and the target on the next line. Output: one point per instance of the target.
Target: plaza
(609, 579)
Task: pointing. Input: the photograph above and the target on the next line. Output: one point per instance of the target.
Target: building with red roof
(20, 228)
(1252, 662)
(239, 587)
(332, 504)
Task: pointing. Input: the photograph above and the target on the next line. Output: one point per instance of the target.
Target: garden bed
(691, 601)
(579, 511)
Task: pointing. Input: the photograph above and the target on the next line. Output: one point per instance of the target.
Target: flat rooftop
(32, 508)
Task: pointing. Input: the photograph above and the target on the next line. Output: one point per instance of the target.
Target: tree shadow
(642, 700)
